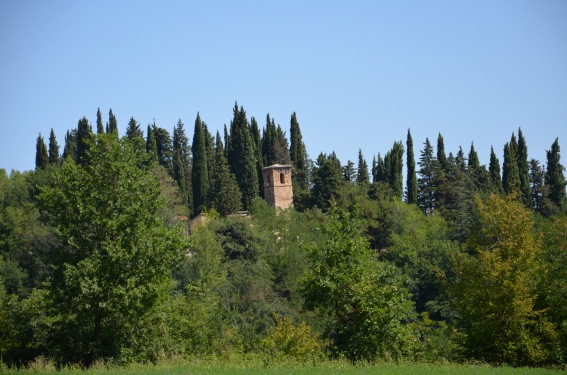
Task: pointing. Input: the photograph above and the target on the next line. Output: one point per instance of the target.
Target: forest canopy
(453, 261)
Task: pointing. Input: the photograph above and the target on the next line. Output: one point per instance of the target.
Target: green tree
(554, 178)
(182, 164)
(164, 147)
(441, 154)
(349, 173)
(494, 173)
(426, 181)
(477, 173)
(494, 291)
(151, 146)
(411, 179)
(364, 299)
(53, 148)
(99, 126)
(200, 171)
(362, 178)
(133, 130)
(84, 140)
(510, 171)
(224, 195)
(524, 170)
(112, 124)
(242, 156)
(115, 253)
(298, 155)
(394, 164)
(41, 158)
(70, 150)
(326, 181)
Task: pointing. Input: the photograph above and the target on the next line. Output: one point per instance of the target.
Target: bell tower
(278, 189)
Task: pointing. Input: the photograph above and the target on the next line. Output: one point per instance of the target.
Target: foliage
(115, 254)
(365, 298)
(495, 291)
(290, 340)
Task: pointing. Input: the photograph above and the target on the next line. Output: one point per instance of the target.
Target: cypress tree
(298, 155)
(374, 170)
(362, 178)
(70, 150)
(53, 148)
(182, 163)
(99, 127)
(380, 169)
(84, 139)
(326, 181)
(537, 186)
(112, 124)
(510, 173)
(426, 181)
(477, 173)
(256, 137)
(554, 178)
(411, 179)
(151, 147)
(224, 195)
(200, 172)
(524, 170)
(441, 155)
(163, 147)
(41, 158)
(494, 172)
(242, 156)
(394, 164)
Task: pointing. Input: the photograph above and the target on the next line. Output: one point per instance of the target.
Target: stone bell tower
(278, 191)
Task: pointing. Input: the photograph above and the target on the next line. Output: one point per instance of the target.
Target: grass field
(257, 368)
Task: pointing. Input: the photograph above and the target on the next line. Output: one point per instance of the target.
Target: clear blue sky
(358, 73)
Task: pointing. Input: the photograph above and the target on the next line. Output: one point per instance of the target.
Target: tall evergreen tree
(510, 173)
(53, 148)
(374, 170)
(298, 155)
(394, 164)
(477, 173)
(41, 157)
(257, 138)
(242, 156)
(537, 186)
(349, 173)
(112, 124)
(524, 170)
(133, 130)
(380, 170)
(99, 127)
(70, 150)
(84, 140)
(426, 181)
(494, 172)
(362, 178)
(411, 179)
(164, 147)
(441, 155)
(182, 163)
(554, 177)
(151, 147)
(200, 172)
(224, 195)
(326, 181)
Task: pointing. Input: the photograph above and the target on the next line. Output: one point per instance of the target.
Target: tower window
(282, 178)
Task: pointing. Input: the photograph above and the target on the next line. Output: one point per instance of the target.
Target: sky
(358, 74)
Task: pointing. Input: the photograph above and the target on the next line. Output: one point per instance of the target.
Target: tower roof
(278, 166)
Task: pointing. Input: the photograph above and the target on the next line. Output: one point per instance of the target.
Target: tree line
(464, 263)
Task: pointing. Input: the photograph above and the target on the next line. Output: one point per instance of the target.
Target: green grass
(257, 367)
